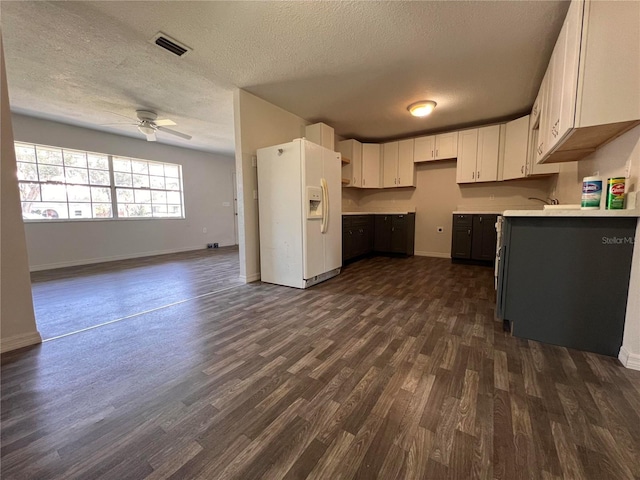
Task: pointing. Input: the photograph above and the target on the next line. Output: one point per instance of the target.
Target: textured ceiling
(353, 65)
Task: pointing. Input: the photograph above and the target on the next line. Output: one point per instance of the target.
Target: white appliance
(300, 208)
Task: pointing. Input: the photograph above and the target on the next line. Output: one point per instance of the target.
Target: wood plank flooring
(70, 299)
(396, 369)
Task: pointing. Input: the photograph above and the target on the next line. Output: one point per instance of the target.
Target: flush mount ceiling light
(422, 108)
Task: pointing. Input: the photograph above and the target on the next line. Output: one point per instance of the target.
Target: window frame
(113, 188)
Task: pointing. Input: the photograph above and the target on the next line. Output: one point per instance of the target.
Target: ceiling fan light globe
(146, 129)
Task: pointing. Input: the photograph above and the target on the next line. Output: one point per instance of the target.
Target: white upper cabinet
(371, 166)
(436, 147)
(591, 92)
(390, 164)
(351, 150)
(397, 160)
(446, 146)
(406, 168)
(424, 149)
(478, 155)
(516, 149)
(467, 156)
(488, 154)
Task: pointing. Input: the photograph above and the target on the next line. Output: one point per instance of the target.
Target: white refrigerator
(300, 213)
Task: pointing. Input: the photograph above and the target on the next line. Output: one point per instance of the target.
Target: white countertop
(572, 213)
(386, 212)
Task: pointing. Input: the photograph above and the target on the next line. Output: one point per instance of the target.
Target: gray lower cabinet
(383, 234)
(474, 237)
(565, 281)
(357, 236)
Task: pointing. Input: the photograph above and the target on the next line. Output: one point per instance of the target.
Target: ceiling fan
(148, 125)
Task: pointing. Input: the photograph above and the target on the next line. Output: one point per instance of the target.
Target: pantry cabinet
(590, 93)
(351, 150)
(478, 155)
(371, 166)
(397, 161)
(436, 147)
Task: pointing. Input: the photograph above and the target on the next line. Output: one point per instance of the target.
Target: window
(67, 184)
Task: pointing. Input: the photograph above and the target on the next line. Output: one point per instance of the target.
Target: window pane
(174, 211)
(159, 210)
(139, 167)
(173, 184)
(121, 164)
(132, 210)
(80, 210)
(25, 153)
(77, 175)
(98, 161)
(50, 173)
(53, 210)
(51, 156)
(142, 196)
(54, 193)
(75, 159)
(99, 177)
(124, 195)
(171, 171)
(157, 182)
(27, 171)
(156, 169)
(173, 197)
(122, 179)
(78, 193)
(159, 197)
(29, 192)
(140, 181)
(30, 211)
(99, 194)
(102, 210)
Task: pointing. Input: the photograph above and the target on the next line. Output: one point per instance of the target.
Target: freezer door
(312, 212)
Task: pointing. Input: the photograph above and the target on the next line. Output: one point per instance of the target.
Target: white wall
(437, 195)
(258, 124)
(17, 321)
(207, 182)
(611, 161)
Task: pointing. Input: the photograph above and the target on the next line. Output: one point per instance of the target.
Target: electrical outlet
(254, 161)
(440, 229)
(204, 230)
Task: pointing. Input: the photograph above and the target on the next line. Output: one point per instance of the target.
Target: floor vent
(168, 43)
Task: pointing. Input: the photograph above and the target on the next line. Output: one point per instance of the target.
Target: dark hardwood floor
(70, 299)
(394, 369)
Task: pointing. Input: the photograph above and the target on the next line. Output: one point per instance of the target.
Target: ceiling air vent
(170, 44)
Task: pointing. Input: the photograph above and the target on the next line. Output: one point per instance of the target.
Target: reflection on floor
(70, 299)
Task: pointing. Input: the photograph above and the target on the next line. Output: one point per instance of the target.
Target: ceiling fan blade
(151, 137)
(165, 123)
(118, 124)
(173, 132)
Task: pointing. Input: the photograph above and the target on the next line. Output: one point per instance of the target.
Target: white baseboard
(19, 341)
(432, 254)
(254, 277)
(90, 261)
(628, 359)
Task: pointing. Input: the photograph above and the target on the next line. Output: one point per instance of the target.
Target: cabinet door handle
(478, 173)
(522, 169)
(473, 174)
(469, 232)
(398, 180)
(392, 229)
(480, 218)
(436, 152)
(431, 153)
(395, 181)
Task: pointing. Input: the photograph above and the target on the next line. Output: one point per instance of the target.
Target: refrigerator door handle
(325, 206)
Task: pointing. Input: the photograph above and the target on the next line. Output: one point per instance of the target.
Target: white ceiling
(353, 65)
